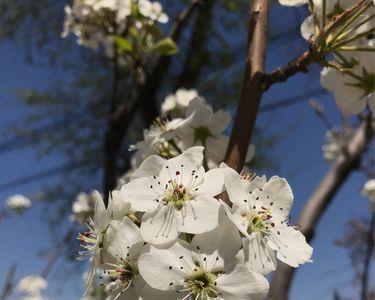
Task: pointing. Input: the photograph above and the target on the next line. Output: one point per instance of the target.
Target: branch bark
(282, 74)
(252, 86)
(323, 195)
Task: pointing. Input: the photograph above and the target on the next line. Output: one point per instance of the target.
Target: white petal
(224, 241)
(119, 207)
(290, 246)
(161, 268)
(213, 183)
(259, 257)
(140, 193)
(160, 227)
(199, 215)
(101, 214)
(242, 284)
(235, 187)
(280, 196)
(121, 236)
(151, 166)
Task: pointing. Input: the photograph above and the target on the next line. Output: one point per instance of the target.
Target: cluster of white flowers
(369, 192)
(167, 235)
(83, 207)
(31, 287)
(350, 76)
(187, 120)
(18, 203)
(94, 22)
(334, 145)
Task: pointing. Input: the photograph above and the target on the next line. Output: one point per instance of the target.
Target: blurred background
(54, 97)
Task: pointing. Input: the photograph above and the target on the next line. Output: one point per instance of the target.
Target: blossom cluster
(186, 120)
(31, 287)
(97, 23)
(166, 233)
(18, 203)
(350, 74)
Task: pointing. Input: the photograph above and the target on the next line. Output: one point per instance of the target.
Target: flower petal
(160, 227)
(259, 257)
(199, 215)
(242, 284)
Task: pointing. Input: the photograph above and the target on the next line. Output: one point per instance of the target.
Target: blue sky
(298, 154)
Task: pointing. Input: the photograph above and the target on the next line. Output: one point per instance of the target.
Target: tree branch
(323, 195)
(251, 90)
(8, 284)
(282, 74)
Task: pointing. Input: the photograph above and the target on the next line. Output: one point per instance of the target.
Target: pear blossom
(207, 129)
(177, 195)
(157, 139)
(92, 239)
(177, 103)
(32, 286)
(204, 269)
(152, 10)
(83, 207)
(333, 146)
(261, 211)
(354, 90)
(369, 192)
(18, 203)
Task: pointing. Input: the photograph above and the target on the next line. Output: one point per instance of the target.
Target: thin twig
(8, 284)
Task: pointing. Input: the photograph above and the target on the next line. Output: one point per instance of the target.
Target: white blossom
(18, 203)
(260, 211)
(83, 207)
(177, 195)
(152, 10)
(204, 269)
(333, 146)
(369, 192)
(32, 286)
(354, 90)
(178, 102)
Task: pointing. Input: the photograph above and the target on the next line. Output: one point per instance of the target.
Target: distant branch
(314, 208)
(8, 283)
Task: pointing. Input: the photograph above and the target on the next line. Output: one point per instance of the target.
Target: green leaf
(165, 47)
(123, 44)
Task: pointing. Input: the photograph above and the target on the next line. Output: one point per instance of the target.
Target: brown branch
(320, 199)
(197, 52)
(251, 90)
(8, 283)
(122, 117)
(282, 74)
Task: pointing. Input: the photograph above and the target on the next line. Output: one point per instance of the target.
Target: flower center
(178, 195)
(121, 276)
(258, 221)
(202, 284)
(201, 134)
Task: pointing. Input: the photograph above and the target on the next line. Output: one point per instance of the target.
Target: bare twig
(320, 199)
(8, 284)
(251, 90)
(297, 65)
